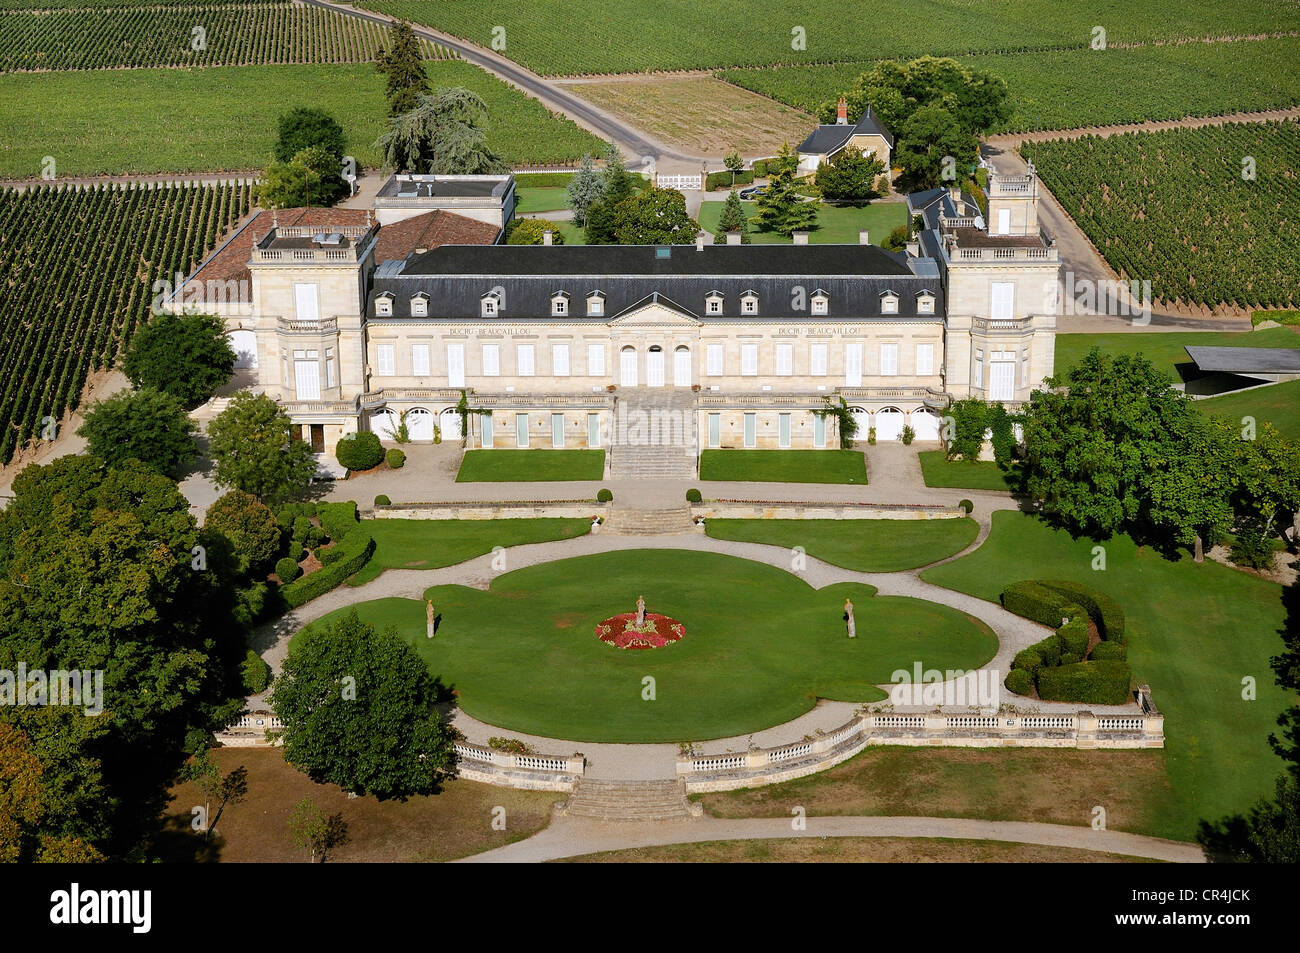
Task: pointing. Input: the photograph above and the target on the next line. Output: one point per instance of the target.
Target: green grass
(508, 466)
(1166, 349)
(181, 120)
(784, 466)
(836, 225)
(938, 470)
(573, 234)
(761, 646)
(540, 200)
(1277, 404)
(863, 545)
(1196, 632)
(432, 544)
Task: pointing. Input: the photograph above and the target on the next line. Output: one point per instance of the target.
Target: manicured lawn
(540, 200)
(508, 466)
(431, 544)
(1278, 404)
(761, 646)
(1047, 785)
(864, 545)
(1165, 349)
(938, 470)
(835, 225)
(784, 466)
(453, 823)
(1196, 631)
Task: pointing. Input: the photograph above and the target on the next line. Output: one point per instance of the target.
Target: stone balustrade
(794, 510)
(528, 771)
(505, 509)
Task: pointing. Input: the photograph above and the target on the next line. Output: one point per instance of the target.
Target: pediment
(659, 313)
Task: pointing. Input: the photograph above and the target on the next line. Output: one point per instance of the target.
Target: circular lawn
(761, 646)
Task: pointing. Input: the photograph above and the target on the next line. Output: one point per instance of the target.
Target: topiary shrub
(395, 459)
(1074, 634)
(693, 495)
(296, 551)
(1036, 602)
(1027, 659)
(383, 500)
(338, 519)
(256, 673)
(291, 511)
(1101, 608)
(1019, 682)
(1049, 650)
(1099, 683)
(301, 527)
(908, 434)
(348, 556)
(871, 436)
(359, 451)
(1105, 651)
(967, 505)
(604, 496)
(315, 537)
(287, 569)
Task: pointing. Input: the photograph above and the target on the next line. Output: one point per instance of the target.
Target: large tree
(654, 217)
(584, 189)
(145, 425)
(934, 149)
(313, 177)
(304, 128)
(616, 184)
(850, 177)
(185, 355)
(781, 208)
(402, 65)
(442, 134)
(102, 570)
(732, 218)
(252, 450)
(249, 526)
(359, 709)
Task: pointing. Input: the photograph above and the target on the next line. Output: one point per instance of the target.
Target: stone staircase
(629, 801)
(660, 522)
(655, 434)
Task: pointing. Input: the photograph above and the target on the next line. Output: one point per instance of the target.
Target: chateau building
(356, 320)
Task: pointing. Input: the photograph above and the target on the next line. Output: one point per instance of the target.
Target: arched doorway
(244, 344)
(889, 424)
(627, 367)
(654, 367)
(419, 424)
(682, 366)
(449, 424)
(863, 420)
(384, 424)
(925, 424)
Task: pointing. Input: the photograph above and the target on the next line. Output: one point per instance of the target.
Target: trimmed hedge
(359, 451)
(722, 180)
(1019, 682)
(256, 673)
(395, 459)
(1105, 651)
(348, 556)
(1101, 608)
(1034, 601)
(383, 500)
(338, 519)
(1074, 634)
(1027, 660)
(296, 551)
(1098, 683)
(289, 513)
(287, 569)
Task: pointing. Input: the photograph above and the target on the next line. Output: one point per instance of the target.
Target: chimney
(733, 237)
(699, 240)
(546, 236)
(863, 237)
(800, 238)
(842, 112)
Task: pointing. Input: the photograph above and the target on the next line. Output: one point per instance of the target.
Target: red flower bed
(622, 631)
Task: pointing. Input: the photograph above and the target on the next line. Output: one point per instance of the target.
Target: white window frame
(852, 363)
(331, 368)
(595, 360)
(420, 366)
(385, 360)
(889, 359)
(595, 305)
(820, 304)
(491, 360)
(713, 304)
(784, 430)
(749, 304)
(749, 360)
(456, 364)
(560, 360)
(979, 367)
(925, 304)
(312, 313)
(559, 306)
(889, 304)
(715, 356)
(384, 305)
(924, 360)
(785, 360)
(817, 359)
(525, 361)
(1002, 300)
(715, 430)
(490, 306)
(419, 306)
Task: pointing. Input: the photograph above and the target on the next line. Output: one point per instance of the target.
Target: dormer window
(889, 303)
(925, 303)
(749, 303)
(595, 303)
(559, 304)
(821, 302)
(384, 304)
(713, 303)
(490, 304)
(420, 305)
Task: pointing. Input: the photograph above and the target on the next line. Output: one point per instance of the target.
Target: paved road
(574, 837)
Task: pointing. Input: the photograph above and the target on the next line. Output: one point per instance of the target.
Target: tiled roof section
(229, 263)
(431, 230)
(829, 139)
(1246, 360)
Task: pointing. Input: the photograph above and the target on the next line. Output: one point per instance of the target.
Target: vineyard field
(610, 36)
(231, 34)
(1175, 207)
(182, 120)
(1068, 89)
(78, 266)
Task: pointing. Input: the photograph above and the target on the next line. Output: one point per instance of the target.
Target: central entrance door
(627, 367)
(682, 367)
(654, 371)
(317, 438)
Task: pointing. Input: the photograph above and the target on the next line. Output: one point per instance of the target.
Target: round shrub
(359, 451)
(604, 496)
(693, 495)
(967, 505)
(256, 673)
(296, 551)
(1028, 660)
(315, 537)
(383, 500)
(395, 459)
(1019, 682)
(908, 435)
(301, 527)
(1103, 651)
(287, 570)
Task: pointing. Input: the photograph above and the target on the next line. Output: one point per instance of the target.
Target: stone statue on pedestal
(428, 615)
(640, 610)
(849, 621)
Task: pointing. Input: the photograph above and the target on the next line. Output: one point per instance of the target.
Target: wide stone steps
(660, 522)
(655, 435)
(629, 800)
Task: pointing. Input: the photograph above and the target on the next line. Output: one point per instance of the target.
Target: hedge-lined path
(574, 837)
(657, 761)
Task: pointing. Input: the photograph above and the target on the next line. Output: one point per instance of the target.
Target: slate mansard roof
(828, 139)
(854, 277)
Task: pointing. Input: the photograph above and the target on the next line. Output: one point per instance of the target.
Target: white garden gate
(682, 183)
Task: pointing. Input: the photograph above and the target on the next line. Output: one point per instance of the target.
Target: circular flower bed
(623, 632)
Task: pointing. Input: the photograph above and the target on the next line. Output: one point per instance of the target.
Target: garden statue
(428, 615)
(640, 611)
(848, 619)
